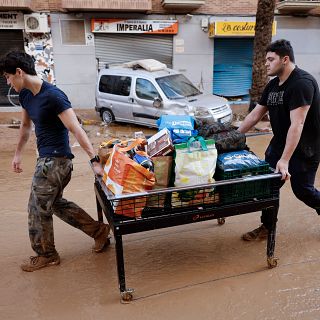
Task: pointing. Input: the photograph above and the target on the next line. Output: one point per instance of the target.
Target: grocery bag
(163, 172)
(122, 175)
(105, 150)
(195, 164)
(181, 127)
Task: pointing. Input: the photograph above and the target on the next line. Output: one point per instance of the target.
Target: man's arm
(253, 118)
(297, 117)
(24, 134)
(69, 119)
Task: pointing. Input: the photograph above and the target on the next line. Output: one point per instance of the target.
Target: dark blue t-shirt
(43, 109)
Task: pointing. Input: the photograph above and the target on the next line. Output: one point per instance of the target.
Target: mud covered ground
(196, 271)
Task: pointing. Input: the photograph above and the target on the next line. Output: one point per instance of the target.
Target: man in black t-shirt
(292, 99)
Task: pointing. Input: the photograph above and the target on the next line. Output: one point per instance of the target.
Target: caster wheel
(272, 262)
(127, 296)
(221, 221)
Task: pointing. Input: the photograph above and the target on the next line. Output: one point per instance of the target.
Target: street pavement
(196, 271)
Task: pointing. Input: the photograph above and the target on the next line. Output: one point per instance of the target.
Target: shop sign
(11, 20)
(134, 26)
(235, 28)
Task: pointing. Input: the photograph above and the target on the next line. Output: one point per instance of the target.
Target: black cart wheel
(221, 221)
(127, 296)
(272, 262)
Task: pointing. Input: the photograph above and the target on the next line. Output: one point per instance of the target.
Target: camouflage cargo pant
(50, 178)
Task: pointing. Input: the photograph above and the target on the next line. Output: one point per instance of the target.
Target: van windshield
(177, 86)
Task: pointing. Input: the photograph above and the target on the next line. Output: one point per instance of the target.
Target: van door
(143, 109)
(115, 95)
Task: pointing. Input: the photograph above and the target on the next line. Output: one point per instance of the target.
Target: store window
(73, 32)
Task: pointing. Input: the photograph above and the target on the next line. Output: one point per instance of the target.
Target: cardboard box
(160, 144)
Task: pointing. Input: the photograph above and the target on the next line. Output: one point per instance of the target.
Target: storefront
(11, 38)
(29, 33)
(233, 57)
(118, 40)
(232, 73)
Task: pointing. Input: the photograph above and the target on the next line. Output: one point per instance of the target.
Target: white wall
(75, 66)
(304, 35)
(193, 52)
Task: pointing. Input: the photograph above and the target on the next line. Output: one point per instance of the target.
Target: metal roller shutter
(9, 40)
(118, 48)
(232, 75)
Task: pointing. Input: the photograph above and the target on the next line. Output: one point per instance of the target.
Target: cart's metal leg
(99, 211)
(271, 260)
(126, 294)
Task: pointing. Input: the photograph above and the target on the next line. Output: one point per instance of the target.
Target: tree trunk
(263, 36)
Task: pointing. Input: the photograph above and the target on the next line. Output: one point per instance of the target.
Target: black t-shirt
(298, 90)
(43, 109)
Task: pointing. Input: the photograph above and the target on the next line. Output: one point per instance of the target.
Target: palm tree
(263, 35)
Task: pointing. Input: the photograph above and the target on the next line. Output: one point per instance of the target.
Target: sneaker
(260, 233)
(102, 241)
(39, 262)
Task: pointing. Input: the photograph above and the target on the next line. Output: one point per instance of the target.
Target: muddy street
(196, 271)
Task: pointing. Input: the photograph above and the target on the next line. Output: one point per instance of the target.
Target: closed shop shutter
(119, 48)
(232, 75)
(9, 40)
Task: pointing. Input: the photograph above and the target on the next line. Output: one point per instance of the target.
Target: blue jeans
(303, 172)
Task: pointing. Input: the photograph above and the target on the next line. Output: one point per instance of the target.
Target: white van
(141, 91)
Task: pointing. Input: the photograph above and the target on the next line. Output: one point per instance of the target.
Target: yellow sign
(235, 28)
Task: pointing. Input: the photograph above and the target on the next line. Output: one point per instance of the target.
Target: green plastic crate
(244, 191)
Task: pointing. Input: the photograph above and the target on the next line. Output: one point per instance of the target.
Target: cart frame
(177, 216)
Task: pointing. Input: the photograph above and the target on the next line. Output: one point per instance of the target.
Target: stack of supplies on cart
(242, 164)
(227, 137)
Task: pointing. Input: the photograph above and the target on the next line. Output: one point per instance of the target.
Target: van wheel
(107, 116)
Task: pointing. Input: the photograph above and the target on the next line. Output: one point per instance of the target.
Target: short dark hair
(281, 48)
(17, 59)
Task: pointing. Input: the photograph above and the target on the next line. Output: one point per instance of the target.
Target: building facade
(210, 41)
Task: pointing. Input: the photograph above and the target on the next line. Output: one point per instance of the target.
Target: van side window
(118, 85)
(146, 90)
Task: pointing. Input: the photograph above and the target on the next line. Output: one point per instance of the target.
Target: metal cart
(177, 206)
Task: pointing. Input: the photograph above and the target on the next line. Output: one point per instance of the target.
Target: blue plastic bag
(181, 127)
(239, 160)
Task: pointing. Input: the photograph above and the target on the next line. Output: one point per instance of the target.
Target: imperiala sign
(134, 26)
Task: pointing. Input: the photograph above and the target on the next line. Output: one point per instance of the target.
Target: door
(144, 110)
(233, 60)
(9, 40)
(118, 48)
